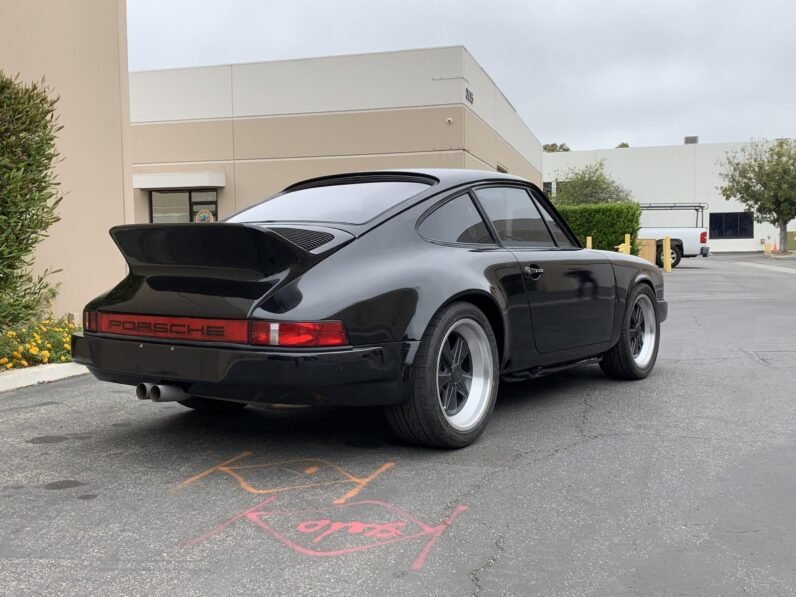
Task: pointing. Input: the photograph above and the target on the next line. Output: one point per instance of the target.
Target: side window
(515, 217)
(561, 238)
(456, 221)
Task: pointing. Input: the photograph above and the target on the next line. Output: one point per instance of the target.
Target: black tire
(210, 405)
(627, 359)
(423, 419)
(677, 256)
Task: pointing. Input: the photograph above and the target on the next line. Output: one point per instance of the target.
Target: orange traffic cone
(776, 250)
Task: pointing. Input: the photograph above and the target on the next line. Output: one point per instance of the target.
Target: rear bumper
(367, 375)
(704, 251)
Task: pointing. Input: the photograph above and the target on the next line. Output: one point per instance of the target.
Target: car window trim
(540, 205)
(491, 226)
(460, 193)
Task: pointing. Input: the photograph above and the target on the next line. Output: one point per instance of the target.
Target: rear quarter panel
(388, 284)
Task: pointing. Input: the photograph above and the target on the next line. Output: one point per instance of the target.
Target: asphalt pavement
(682, 484)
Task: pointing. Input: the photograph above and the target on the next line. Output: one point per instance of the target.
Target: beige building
(202, 143)
(80, 48)
(212, 140)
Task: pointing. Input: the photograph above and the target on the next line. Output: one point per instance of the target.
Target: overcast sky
(588, 73)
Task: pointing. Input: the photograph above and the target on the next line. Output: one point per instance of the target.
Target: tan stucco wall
(80, 48)
(263, 155)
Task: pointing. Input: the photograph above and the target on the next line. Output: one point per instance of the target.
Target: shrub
(590, 184)
(37, 344)
(606, 223)
(28, 195)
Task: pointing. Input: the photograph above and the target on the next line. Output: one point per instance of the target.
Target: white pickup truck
(686, 242)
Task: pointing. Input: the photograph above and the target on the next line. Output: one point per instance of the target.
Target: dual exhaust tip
(160, 393)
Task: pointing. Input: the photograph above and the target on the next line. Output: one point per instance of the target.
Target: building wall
(669, 174)
(80, 48)
(267, 125)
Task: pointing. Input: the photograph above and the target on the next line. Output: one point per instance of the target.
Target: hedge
(29, 196)
(606, 223)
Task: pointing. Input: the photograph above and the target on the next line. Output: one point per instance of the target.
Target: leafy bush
(28, 195)
(45, 342)
(589, 184)
(606, 223)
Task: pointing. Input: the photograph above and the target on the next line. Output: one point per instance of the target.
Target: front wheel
(455, 381)
(633, 357)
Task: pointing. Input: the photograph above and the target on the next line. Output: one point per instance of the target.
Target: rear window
(353, 203)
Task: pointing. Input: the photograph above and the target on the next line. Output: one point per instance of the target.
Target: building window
(731, 225)
(175, 207)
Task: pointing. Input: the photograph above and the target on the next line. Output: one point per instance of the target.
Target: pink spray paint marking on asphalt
(341, 529)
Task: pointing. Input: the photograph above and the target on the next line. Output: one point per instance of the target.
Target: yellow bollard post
(767, 248)
(588, 242)
(627, 245)
(666, 255)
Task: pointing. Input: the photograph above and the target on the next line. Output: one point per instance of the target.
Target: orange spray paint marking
(316, 533)
(324, 473)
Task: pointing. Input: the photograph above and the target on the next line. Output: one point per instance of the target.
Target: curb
(21, 378)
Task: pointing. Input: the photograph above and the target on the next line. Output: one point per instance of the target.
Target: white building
(686, 173)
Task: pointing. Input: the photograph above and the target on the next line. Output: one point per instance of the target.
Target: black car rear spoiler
(216, 246)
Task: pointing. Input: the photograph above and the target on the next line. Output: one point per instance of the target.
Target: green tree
(554, 147)
(623, 145)
(590, 184)
(29, 195)
(762, 176)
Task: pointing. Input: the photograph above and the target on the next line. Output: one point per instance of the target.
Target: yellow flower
(3, 361)
(45, 360)
(67, 346)
(63, 359)
(48, 345)
(11, 334)
(23, 363)
(33, 350)
(45, 354)
(9, 365)
(16, 354)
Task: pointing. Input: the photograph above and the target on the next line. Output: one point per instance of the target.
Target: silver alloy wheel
(464, 374)
(642, 330)
(673, 255)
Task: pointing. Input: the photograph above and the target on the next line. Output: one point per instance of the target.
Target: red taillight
(298, 334)
(703, 237)
(174, 328)
(90, 321)
(235, 331)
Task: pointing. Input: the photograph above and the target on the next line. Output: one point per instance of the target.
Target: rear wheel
(209, 405)
(455, 381)
(633, 357)
(676, 253)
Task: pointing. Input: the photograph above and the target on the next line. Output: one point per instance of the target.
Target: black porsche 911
(417, 291)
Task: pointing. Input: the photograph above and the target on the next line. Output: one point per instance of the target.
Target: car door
(570, 290)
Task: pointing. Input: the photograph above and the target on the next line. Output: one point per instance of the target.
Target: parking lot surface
(682, 484)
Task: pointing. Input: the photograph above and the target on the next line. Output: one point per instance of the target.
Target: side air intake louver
(306, 239)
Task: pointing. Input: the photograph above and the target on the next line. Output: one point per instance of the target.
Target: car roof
(440, 180)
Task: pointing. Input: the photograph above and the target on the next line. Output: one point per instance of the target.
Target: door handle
(533, 271)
